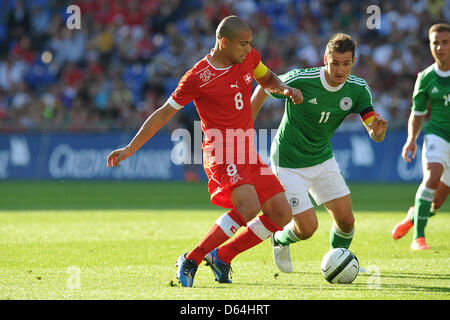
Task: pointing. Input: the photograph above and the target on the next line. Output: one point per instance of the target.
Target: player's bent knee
(285, 219)
(306, 229)
(278, 210)
(249, 211)
(347, 224)
(308, 232)
(432, 176)
(432, 182)
(280, 216)
(284, 213)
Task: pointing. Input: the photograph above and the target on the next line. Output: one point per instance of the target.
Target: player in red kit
(220, 85)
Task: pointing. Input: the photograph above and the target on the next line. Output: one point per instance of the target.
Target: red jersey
(222, 99)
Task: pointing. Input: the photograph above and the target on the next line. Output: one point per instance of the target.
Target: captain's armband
(260, 71)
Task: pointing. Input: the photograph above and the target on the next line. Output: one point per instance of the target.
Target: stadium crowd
(128, 55)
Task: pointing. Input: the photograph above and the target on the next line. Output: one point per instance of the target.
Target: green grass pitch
(120, 240)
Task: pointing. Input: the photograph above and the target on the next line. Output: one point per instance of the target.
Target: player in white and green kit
(301, 154)
(433, 84)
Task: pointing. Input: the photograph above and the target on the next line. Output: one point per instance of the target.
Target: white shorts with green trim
(324, 182)
(436, 149)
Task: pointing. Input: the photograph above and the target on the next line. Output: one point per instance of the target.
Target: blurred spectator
(129, 55)
(18, 23)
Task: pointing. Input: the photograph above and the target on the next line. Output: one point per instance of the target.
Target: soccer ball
(340, 265)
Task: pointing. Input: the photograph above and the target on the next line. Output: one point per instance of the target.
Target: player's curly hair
(439, 27)
(340, 42)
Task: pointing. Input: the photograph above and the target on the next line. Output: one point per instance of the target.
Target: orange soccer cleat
(419, 244)
(403, 227)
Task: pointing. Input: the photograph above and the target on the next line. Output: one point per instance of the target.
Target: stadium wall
(83, 156)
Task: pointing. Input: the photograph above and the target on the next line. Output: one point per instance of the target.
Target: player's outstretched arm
(414, 126)
(271, 82)
(153, 123)
(377, 128)
(259, 96)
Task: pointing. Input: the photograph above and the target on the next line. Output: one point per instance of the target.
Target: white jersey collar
(440, 72)
(209, 62)
(325, 83)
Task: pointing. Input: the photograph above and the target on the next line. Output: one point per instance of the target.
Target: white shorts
(436, 149)
(323, 181)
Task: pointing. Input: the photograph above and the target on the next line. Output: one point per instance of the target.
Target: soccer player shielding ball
(220, 85)
(432, 84)
(301, 153)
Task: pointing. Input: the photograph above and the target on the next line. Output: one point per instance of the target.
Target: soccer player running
(301, 153)
(220, 85)
(432, 84)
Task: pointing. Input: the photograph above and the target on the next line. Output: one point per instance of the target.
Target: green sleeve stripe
(298, 75)
(357, 82)
(360, 82)
(301, 71)
(309, 70)
(301, 77)
(353, 81)
(295, 74)
(305, 73)
(352, 76)
(370, 94)
(365, 87)
(288, 82)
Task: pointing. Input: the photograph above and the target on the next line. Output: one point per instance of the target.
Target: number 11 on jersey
(324, 116)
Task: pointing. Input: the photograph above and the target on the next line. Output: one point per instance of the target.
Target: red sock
(256, 232)
(224, 227)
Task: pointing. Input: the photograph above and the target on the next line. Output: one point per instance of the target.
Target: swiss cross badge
(248, 78)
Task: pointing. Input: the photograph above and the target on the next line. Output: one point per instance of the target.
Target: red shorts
(223, 178)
